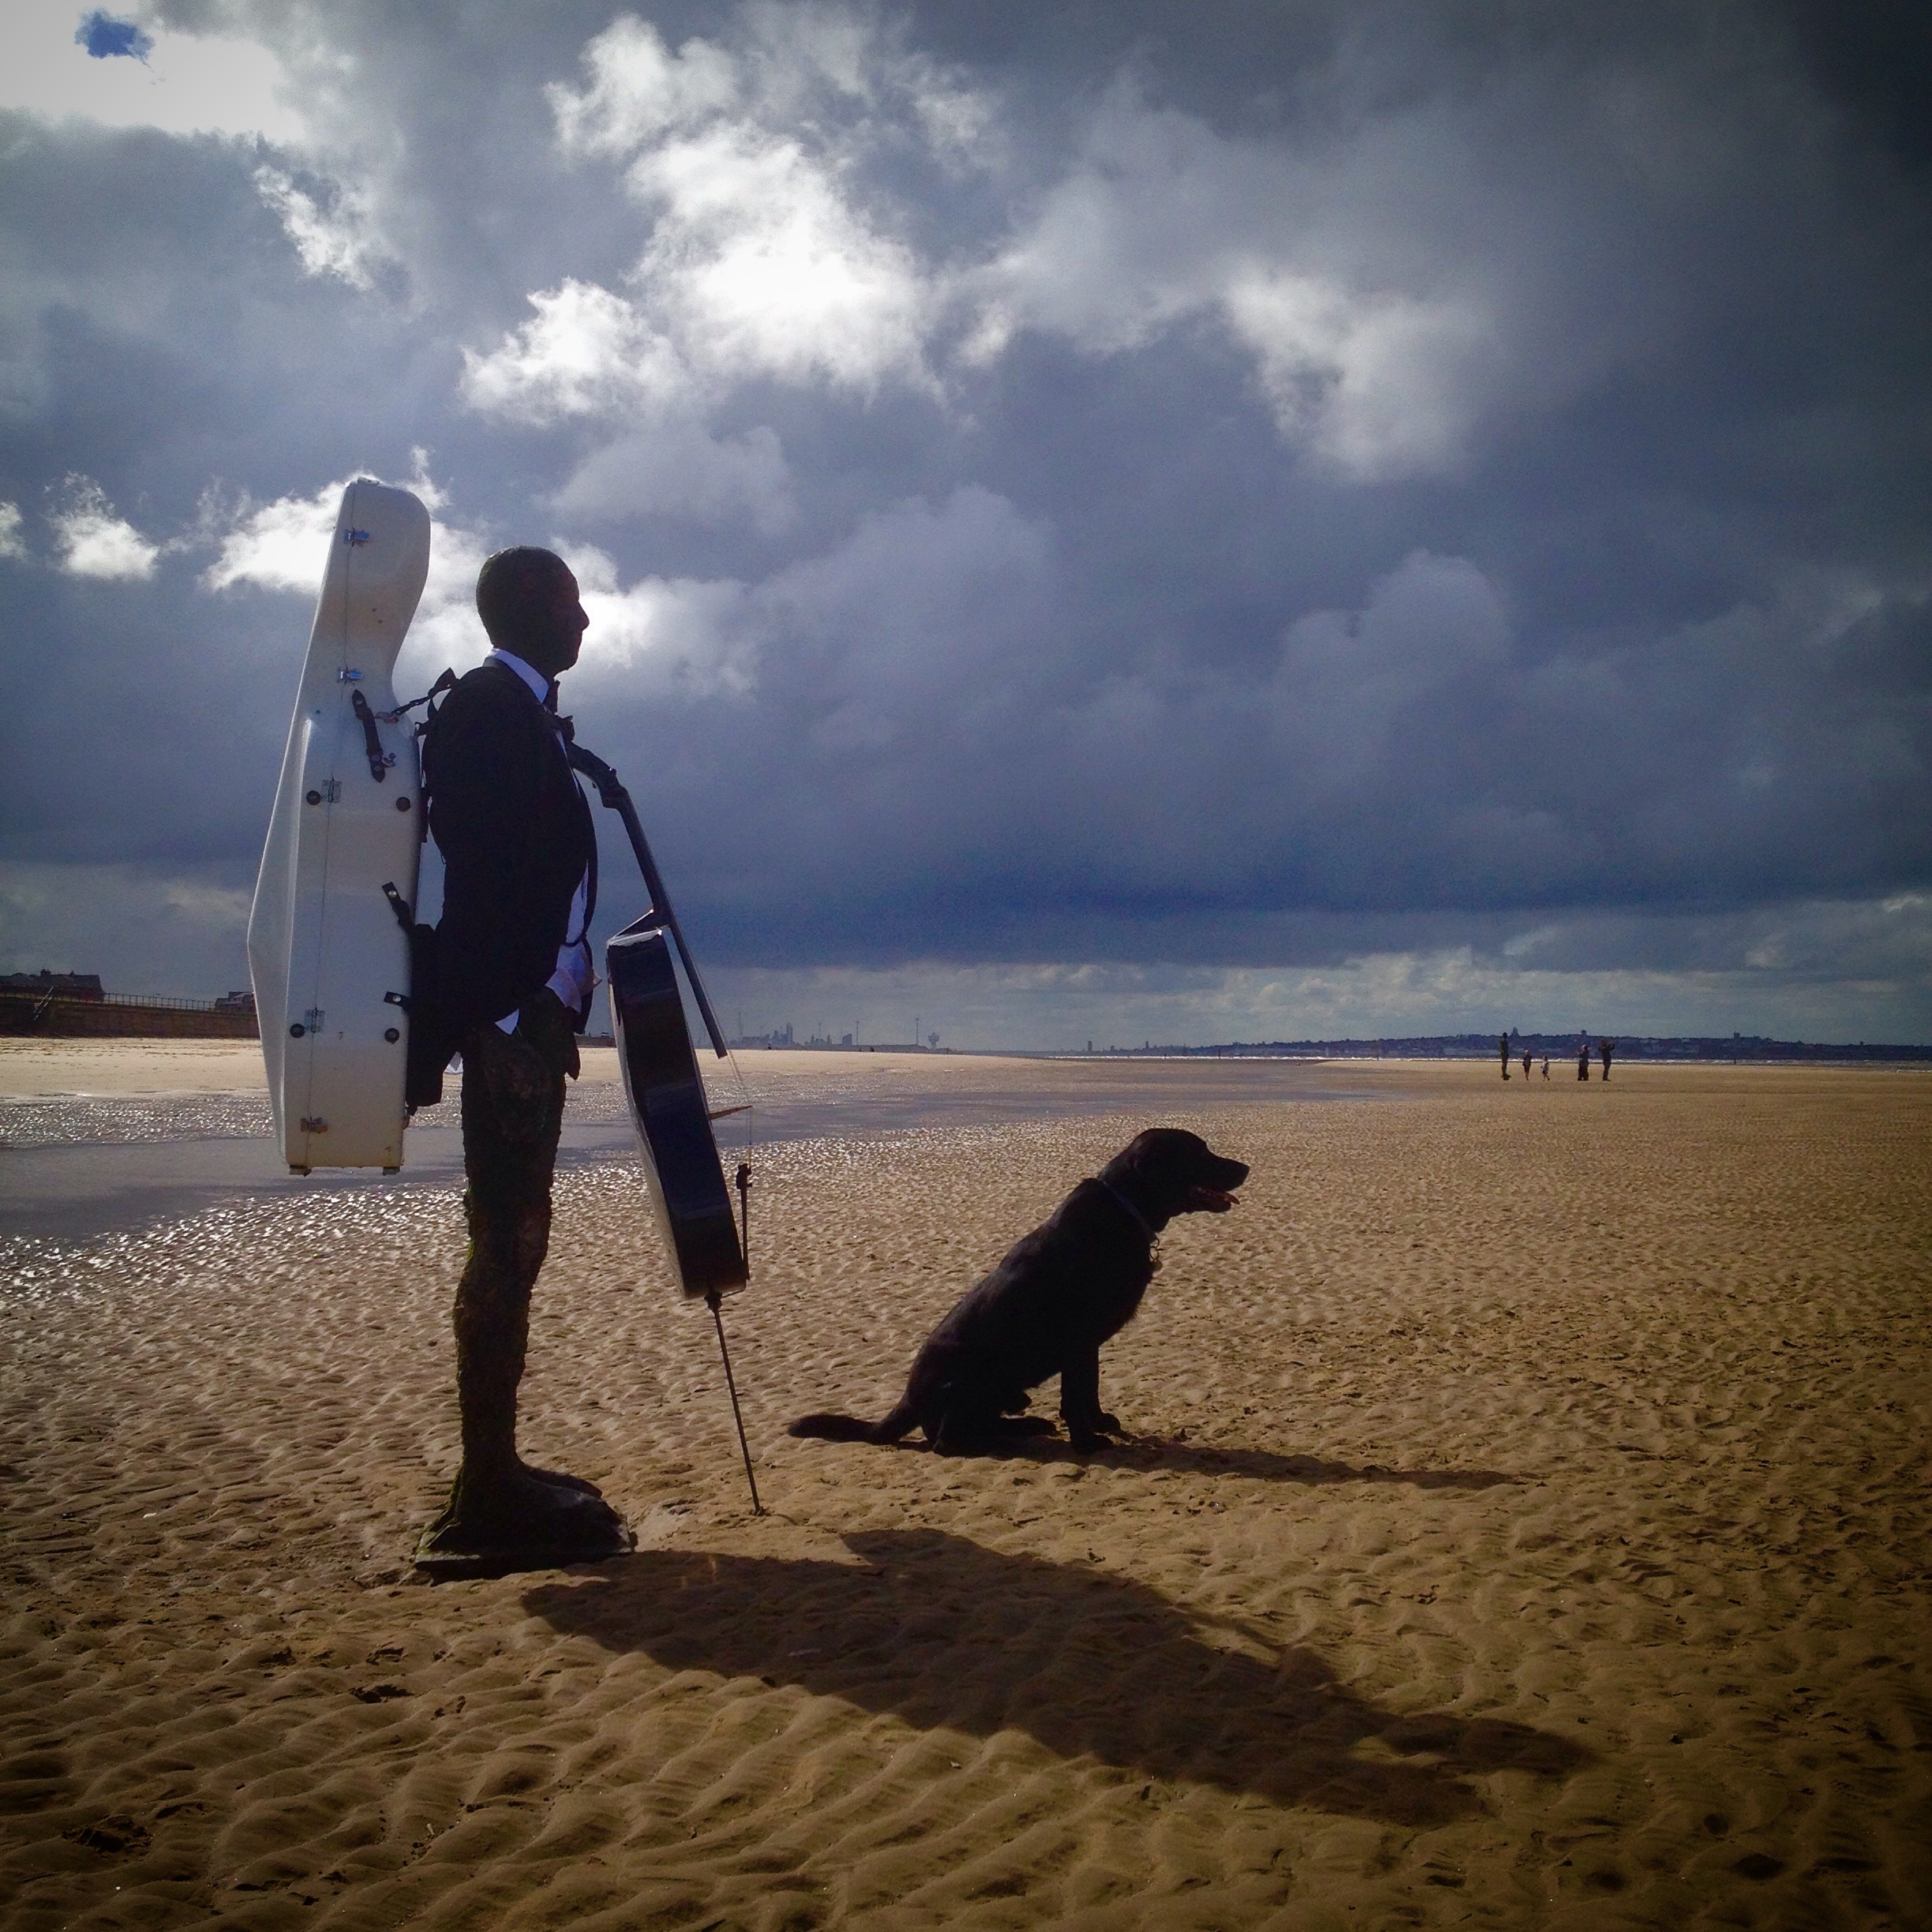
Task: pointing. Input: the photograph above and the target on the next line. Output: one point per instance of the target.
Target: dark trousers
(512, 1114)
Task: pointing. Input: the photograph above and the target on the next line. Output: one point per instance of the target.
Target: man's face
(565, 623)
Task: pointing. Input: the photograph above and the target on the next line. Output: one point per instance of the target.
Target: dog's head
(1167, 1171)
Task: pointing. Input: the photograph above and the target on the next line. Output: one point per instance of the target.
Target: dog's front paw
(1084, 1441)
(1108, 1425)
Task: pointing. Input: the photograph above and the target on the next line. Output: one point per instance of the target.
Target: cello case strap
(446, 683)
(566, 735)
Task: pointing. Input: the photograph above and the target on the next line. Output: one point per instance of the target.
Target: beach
(1523, 1520)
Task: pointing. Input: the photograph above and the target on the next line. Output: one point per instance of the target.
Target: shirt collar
(539, 684)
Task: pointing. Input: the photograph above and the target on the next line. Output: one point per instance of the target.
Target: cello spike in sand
(714, 1302)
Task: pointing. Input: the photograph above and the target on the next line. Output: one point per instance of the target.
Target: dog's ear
(1158, 1160)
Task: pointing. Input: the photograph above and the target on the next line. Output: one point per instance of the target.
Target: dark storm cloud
(1062, 484)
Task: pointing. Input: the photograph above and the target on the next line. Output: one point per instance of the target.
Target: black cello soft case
(681, 1170)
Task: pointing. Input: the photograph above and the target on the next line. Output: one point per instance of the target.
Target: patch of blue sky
(105, 38)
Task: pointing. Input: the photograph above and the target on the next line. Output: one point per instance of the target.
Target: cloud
(93, 541)
(1353, 690)
(115, 73)
(284, 545)
(192, 924)
(275, 546)
(333, 232)
(1373, 344)
(1385, 386)
(638, 90)
(763, 268)
(11, 544)
(676, 469)
(1855, 970)
(659, 634)
(1328, 488)
(761, 262)
(586, 352)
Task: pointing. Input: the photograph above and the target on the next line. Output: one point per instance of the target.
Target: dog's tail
(832, 1428)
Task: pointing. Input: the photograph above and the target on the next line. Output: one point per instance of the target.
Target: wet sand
(101, 1137)
(1525, 1522)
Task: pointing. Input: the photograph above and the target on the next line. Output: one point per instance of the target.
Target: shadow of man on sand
(941, 1632)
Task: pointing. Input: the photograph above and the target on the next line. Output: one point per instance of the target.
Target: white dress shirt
(574, 975)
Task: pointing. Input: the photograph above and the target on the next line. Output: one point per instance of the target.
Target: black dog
(1072, 1284)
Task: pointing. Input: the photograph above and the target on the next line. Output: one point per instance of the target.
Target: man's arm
(483, 814)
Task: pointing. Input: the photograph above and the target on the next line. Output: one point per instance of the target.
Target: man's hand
(551, 1028)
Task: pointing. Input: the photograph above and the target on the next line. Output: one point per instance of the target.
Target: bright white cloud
(1384, 386)
(661, 632)
(92, 539)
(277, 546)
(284, 545)
(187, 84)
(11, 545)
(638, 89)
(586, 352)
(333, 233)
(766, 261)
(763, 266)
(762, 262)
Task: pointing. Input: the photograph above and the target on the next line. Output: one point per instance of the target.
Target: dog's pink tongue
(1217, 1203)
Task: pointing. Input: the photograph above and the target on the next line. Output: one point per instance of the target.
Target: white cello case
(328, 960)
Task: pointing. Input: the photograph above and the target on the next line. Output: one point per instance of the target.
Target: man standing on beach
(515, 978)
(1502, 1047)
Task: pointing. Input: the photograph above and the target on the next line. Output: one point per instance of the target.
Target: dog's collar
(1146, 1226)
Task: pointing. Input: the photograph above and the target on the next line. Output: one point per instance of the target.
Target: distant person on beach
(1546, 1066)
(1606, 1048)
(1583, 1062)
(1526, 1063)
(514, 982)
(1503, 1045)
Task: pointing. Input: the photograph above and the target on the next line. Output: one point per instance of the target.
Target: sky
(1101, 520)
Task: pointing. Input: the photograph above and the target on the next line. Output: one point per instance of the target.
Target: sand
(1525, 1523)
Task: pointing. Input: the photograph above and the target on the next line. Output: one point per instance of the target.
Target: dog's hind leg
(963, 1431)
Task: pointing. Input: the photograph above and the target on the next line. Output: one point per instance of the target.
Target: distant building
(241, 999)
(779, 1037)
(61, 986)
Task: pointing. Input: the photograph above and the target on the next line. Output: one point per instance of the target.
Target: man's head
(527, 599)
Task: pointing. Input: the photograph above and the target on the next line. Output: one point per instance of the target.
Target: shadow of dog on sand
(1187, 1459)
(942, 1632)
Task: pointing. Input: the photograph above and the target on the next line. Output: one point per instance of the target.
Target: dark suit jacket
(515, 835)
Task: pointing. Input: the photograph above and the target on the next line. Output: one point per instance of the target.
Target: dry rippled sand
(1526, 1524)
